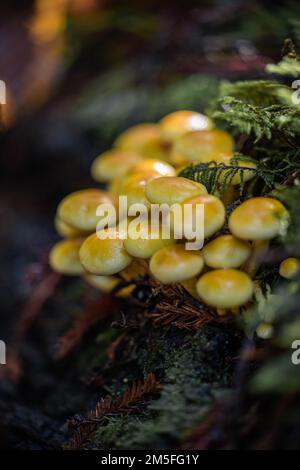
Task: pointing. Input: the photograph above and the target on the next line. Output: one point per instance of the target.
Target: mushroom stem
(229, 195)
(259, 250)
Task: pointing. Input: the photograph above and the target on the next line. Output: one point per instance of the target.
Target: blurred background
(77, 73)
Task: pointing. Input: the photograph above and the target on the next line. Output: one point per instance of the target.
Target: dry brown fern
(177, 308)
(129, 402)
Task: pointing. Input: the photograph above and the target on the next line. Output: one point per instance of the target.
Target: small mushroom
(134, 185)
(172, 189)
(144, 139)
(226, 251)
(67, 231)
(104, 256)
(225, 289)
(214, 214)
(265, 330)
(113, 164)
(176, 264)
(149, 242)
(64, 257)
(103, 283)
(179, 123)
(202, 146)
(245, 175)
(153, 165)
(258, 219)
(79, 209)
(289, 268)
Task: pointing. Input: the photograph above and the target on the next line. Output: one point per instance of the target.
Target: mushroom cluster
(143, 166)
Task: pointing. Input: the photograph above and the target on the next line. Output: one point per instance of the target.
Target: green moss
(194, 370)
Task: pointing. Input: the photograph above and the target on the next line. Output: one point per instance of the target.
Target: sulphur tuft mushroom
(246, 172)
(79, 209)
(176, 264)
(153, 165)
(103, 283)
(172, 189)
(144, 139)
(133, 187)
(67, 231)
(289, 268)
(202, 147)
(143, 240)
(104, 256)
(258, 219)
(226, 251)
(113, 164)
(175, 124)
(225, 288)
(64, 257)
(265, 330)
(214, 214)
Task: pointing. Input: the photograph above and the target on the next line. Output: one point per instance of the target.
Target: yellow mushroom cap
(172, 189)
(113, 164)
(175, 264)
(259, 218)
(104, 257)
(79, 209)
(64, 257)
(289, 268)
(178, 123)
(103, 283)
(225, 288)
(203, 146)
(153, 165)
(144, 139)
(146, 245)
(133, 187)
(244, 175)
(67, 231)
(226, 251)
(214, 213)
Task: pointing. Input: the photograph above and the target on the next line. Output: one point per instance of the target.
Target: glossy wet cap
(226, 251)
(113, 164)
(178, 123)
(175, 263)
(150, 241)
(203, 146)
(104, 257)
(79, 209)
(258, 218)
(64, 257)
(289, 268)
(172, 189)
(225, 288)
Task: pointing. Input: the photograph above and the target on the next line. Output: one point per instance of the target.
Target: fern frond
(126, 403)
(290, 62)
(217, 177)
(260, 93)
(287, 66)
(280, 120)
